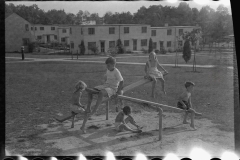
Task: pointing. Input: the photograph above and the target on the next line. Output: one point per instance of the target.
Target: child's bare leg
(163, 84)
(127, 128)
(185, 118)
(153, 87)
(192, 118)
(101, 94)
(90, 97)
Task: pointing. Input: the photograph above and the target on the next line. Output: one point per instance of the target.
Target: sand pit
(101, 137)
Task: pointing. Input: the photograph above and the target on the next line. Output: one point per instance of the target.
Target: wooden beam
(151, 103)
(136, 84)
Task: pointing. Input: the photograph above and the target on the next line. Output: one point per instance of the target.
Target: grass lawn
(37, 91)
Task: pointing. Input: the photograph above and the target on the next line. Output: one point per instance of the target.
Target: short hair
(127, 110)
(189, 83)
(80, 85)
(110, 60)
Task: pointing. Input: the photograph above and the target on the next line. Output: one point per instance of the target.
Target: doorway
(102, 44)
(134, 44)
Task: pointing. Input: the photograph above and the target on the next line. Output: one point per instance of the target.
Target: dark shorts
(179, 105)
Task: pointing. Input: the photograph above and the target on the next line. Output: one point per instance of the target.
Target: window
(31, 28)
(91, 44)
(26, 27)
(70, 30)
(35, 28)
(144, 29)
(169, 32)
(25, 41)
(180, 43)
(126, 42)
(180, 31)
(144, 42)
(64, 31)
(91, 31)
(41, 28)
(168, 43)
(62, 39)
(39, 37)
(111, 30)
(161, 44)
(154, 33)
(55, 37)
(111, 44)
(154, 45)
(52, 28)
(126, 29)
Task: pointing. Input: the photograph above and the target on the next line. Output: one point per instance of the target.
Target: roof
(16, 15)
(175, 27)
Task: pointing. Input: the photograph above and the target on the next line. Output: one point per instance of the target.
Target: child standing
(153, 73)
(121, 123)
(75, 105)
(113, 86)
(184, 102)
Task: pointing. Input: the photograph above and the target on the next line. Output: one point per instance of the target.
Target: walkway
(30, 60)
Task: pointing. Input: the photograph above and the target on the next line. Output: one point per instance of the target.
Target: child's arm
(190, 102)
(120, 87)
(161, 67)
(180, 99)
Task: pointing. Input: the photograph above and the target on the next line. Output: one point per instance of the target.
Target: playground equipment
(155, 106)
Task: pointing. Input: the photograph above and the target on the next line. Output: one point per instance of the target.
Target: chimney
(166, 24)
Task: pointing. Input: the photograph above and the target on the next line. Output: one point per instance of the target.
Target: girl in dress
(153, 73)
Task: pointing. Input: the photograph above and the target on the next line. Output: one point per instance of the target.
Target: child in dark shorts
(184, 102)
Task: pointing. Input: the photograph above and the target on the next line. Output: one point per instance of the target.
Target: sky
(115, 6)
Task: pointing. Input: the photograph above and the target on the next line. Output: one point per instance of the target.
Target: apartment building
(169, 37)
(17, 33)
(134, 37)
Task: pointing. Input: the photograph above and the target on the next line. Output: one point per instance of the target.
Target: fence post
(22, 49)
(107, 109)
(160, 123)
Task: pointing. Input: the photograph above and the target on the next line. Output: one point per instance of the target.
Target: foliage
(163, 51)
(94, 49)
(31, 47)
(82, 48)
(144, 51)
(186, 51)
(120, 48)
(150, 46)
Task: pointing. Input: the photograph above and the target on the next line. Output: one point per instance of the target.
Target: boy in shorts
(184, 102)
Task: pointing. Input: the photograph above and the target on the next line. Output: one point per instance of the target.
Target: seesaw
(105, 100)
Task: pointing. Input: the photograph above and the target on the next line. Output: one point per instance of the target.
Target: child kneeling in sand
(184, 102)
(121, 123)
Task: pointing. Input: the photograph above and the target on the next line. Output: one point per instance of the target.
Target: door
(134, 44)
(161, 45)
(48, 38)
(102, 44)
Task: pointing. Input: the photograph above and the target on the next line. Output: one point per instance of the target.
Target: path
(29, 60)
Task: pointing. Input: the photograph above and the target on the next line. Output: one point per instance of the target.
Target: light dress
(153, 71)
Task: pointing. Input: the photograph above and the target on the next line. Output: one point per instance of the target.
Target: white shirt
(113, 78)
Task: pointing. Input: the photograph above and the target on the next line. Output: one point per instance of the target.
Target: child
(112, 86)
(153, 73)
(121, 123)
(184, 102)
(75, 106)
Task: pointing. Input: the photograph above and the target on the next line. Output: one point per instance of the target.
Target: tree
(150, 46)
(120, 47)
(187, 50)
(82, 48)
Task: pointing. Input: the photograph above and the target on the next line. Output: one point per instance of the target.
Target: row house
(134, 37)
(169, 37)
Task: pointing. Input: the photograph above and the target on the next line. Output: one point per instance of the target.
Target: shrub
(150, 46)
(144, 51)
(186, 51)
(163, 51)
(157, 51)
(120, 48)
(94, 49)
(82, 48)
(31, 47)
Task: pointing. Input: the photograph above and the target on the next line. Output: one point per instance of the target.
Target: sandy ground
(101, 137)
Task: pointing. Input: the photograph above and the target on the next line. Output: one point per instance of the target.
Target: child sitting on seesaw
(121, 123)
(153, 73)
(75, 106)
(184, 102)
(112, 87)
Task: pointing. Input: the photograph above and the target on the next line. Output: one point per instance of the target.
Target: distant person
(121, 123)
(184, 102)
(113, 86)
(153, 73)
